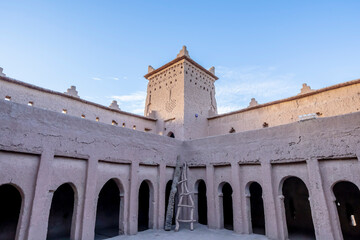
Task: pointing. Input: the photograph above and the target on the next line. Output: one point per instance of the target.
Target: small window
(134, 127)
(97, 119)
(64, 111)
(114, 123)
(123, 125)
(82, 116)
(7, 98)
(147, 129)
(30, 103)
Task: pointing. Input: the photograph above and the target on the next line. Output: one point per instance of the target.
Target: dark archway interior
(202, 203)
(228, 206)
(257, 209)
(10, 207)
(107, 212)
(143, 212)
(61, 213)
(348, 206)
(297, 206)
(171, 134)
(167, 194)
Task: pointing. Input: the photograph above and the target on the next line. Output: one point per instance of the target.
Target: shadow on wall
(61, 213)
(10, 208)
(257, 209)
(347, 203)
(202, 202)
(144, 207)
(228, 206)
(297, 207)
(108, 211)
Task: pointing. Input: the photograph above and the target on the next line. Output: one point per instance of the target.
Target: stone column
(133, 198)
(319, 209)
(161, 195)
(210, 197)
(42, 198)
(269, 198)
(236, 198)
(247, 214)
(281, 218)
(90, 201)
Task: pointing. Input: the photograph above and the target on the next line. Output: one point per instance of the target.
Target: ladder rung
(182, 181)
(186, 220)
(180, 205)
(182, 194)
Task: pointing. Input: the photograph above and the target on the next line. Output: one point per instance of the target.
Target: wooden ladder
(185, 195)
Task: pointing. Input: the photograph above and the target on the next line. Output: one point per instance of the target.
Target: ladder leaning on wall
(185, 194)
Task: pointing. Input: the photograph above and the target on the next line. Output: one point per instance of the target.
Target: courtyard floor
(200, 232)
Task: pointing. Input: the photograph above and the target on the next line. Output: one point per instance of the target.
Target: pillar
(319, 208)
(133, 198)
(269, 198)
(90, 201)
(212, 215)
(42, 198)
(161, 196)
(236, 198)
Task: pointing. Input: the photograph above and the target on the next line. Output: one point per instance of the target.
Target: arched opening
(10, 207)
(227, 206)
(61, 213)
(257, 208)
(108, 211)
(297, 208)
(144, 206)
(171, 134)
(347, 203)
(167, 194)
(202, 202)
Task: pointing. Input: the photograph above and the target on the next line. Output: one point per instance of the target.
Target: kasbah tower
(182, 94)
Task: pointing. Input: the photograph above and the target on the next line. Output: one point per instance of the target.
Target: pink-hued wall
(41, 149)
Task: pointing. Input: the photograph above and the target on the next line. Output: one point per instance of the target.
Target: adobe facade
(75, 169)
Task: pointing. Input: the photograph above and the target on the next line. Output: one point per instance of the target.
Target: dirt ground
(200, 232)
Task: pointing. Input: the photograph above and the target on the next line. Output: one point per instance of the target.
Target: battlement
(180, 57)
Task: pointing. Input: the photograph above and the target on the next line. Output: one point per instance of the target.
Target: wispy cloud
(136, 96)
(96, 79)
(134, 102)
(237, 86)
(115, 78)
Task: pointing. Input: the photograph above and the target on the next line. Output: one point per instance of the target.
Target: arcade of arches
(299, 223)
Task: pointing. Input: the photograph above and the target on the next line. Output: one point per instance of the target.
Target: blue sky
(261, 49)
